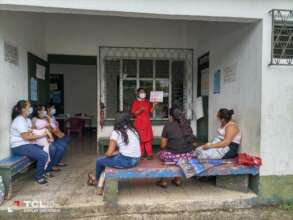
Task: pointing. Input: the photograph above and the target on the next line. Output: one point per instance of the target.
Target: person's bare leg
(100, 185)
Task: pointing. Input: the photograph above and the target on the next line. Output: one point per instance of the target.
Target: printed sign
(34, 89)
(157, 96)
(229, 73)
(40, 72)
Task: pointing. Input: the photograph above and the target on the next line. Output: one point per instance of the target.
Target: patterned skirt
(168, 156)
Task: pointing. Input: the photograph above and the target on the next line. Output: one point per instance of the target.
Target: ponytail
(184, 124)
(225, 114)
(16, 110)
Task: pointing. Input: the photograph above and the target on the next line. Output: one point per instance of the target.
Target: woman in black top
(176, 141)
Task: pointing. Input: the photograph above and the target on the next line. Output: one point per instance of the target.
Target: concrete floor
(70, 194)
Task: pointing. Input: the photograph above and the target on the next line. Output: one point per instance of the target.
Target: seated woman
(227, 141)
(62, 141)
(176, 142)
(125, 139)
(21, 138)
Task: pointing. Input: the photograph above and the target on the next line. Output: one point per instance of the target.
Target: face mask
(142, 95)
(30, 111)
(53, 111)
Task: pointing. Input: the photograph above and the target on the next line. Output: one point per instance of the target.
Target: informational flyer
(34, 89)
(157, 96)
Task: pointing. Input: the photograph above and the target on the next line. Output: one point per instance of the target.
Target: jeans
(34, 152)
(60, 146)
(117, 161)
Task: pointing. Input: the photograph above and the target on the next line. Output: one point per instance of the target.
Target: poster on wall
(40, 72)
(34, 89)
(230, 73)
(157, 96)
(199, 108)
(205, 82)
(217, 81)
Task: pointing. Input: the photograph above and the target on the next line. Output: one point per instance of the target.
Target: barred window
(282, 37)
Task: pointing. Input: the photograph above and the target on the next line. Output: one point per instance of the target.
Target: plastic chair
(76, 125)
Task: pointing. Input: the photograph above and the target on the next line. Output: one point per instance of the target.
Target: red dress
(142, 121)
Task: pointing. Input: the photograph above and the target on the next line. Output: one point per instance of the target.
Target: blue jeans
(60, 145)
(118, 161)
(34, 152)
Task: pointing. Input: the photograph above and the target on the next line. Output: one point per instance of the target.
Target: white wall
(277, 112)
(82, 35)
(236, 44)
(24, 31)
(80, 87)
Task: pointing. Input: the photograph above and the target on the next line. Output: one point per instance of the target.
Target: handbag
(248, 160)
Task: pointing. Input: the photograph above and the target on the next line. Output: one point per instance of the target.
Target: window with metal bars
(124, 76)
(282, 37)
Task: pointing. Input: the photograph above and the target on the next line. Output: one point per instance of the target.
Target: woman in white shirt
(21, 139)
(125, 139)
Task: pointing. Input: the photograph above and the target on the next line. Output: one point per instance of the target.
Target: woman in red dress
(141, 109)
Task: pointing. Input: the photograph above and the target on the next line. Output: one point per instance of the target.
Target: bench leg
(111, 192)
(7, 180)
(234, 182)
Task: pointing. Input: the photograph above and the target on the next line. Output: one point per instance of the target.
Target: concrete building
(180, 47)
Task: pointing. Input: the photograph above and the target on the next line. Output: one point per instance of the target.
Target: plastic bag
(248, 160)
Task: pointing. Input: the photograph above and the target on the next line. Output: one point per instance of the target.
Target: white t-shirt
(19, 125)
(132, 149)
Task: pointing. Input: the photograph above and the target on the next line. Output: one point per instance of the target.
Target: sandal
(176, 182)
(49, 175)
(42, 181)
(162, 183)
(61, 164)
(91, 180)
(56, 169)
(100, 191)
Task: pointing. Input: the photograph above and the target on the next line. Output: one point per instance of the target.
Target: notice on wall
(34, 89)
(40, 72)
(230, 73)
(157, 96)
(205, 82)
(217, 81)
(199, 108)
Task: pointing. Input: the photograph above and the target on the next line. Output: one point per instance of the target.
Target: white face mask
(30, 111)
(53, 111)
(142, 95)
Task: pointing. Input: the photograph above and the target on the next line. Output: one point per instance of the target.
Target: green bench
(104, 141)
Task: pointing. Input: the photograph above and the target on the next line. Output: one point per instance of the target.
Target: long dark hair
(179, 117)
(225, 114)
(122, 124)
(16, 110)
(36, 110)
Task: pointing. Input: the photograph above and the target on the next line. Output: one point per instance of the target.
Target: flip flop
(159, 183)
(176, 183)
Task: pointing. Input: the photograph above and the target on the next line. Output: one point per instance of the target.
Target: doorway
(203, 91)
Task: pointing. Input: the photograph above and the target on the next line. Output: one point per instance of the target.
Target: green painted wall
(274, 189)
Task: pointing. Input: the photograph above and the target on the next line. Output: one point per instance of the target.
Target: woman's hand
(206, 146)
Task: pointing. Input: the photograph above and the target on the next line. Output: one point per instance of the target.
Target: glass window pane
(177, 83)
(162, 108)
(112, 72)
(146, 69)
(129, 68)
(129, 93)
(162, 69)
(147, 85)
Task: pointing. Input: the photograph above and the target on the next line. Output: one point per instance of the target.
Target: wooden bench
(10, 167)
(104, 141)
(228, 175)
